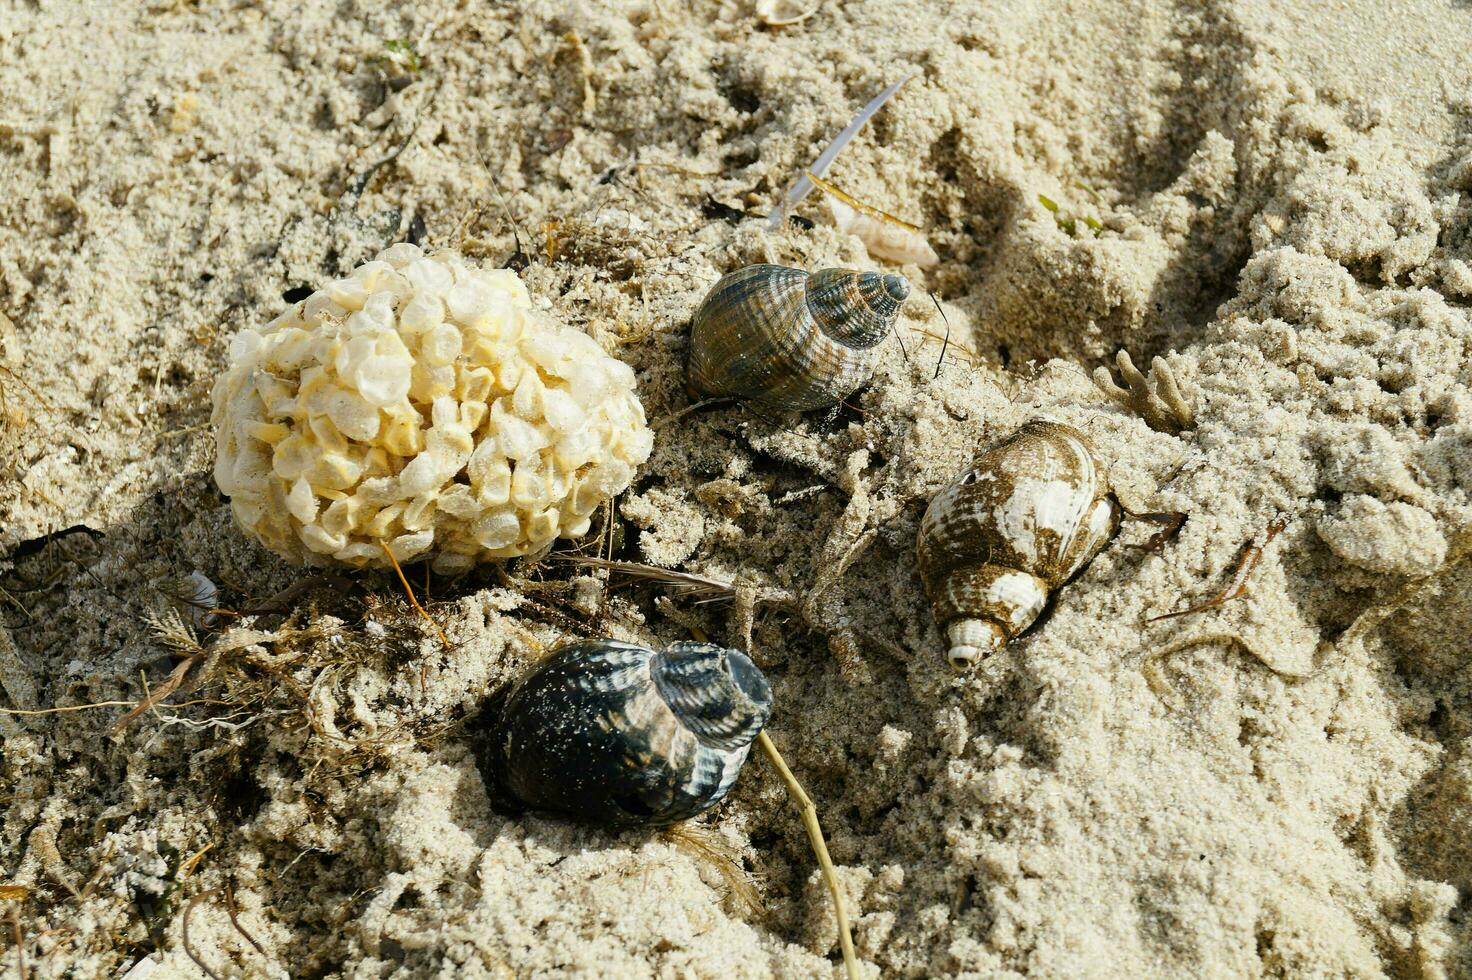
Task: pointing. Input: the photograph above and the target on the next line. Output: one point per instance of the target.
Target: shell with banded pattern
(1032, 512)
(615, 733)
(790, 340)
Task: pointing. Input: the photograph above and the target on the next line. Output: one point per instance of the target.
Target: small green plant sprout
(1065, 219)
(1098, 203)
(401, 54)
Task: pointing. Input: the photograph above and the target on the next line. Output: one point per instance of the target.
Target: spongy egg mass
(444, 417)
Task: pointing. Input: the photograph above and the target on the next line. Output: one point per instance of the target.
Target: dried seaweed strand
(409, 591)
(706, 844)
(820, 166)
(857, 204)
(809, 813)
(683, 581)
(1237, 587)
(158, 694)
(232, 911)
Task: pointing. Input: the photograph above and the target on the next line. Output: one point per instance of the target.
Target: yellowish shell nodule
(790, 340)
(1027, 518)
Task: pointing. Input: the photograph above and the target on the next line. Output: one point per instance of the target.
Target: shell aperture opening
(719, 694)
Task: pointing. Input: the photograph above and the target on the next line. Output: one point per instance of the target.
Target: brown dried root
(282, 602)
(1156, 399)
(170, 629)
(409, 591)
(1170, 523)
(184, 929)
(175, 634)
(1237, 587)
(234, 912)
(157, 695)
(230, 910)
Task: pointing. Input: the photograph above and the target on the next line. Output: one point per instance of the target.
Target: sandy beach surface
(1274, 196)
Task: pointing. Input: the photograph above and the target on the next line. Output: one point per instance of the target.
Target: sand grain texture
(1283, 193)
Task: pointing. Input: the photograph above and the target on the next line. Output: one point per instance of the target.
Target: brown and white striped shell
(995, 543)
(790, 340)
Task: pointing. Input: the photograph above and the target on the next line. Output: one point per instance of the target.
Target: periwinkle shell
(790, 340)
(993, 545)
(615, 733)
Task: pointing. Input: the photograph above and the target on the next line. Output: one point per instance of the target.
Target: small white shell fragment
(202, 598)
(883, 239)
(783, 13)
(141, 970)
(420, 404)
(1391, 539)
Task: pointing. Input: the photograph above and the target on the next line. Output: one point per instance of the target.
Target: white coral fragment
(420, 405)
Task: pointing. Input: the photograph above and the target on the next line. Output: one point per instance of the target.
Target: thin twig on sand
(20, 948)
(809, 813)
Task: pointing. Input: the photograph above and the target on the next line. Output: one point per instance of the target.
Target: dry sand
(1284, 190)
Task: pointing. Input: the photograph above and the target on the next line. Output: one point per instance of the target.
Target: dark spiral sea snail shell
(1032, 512)
(790, 340)
(615, 733)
